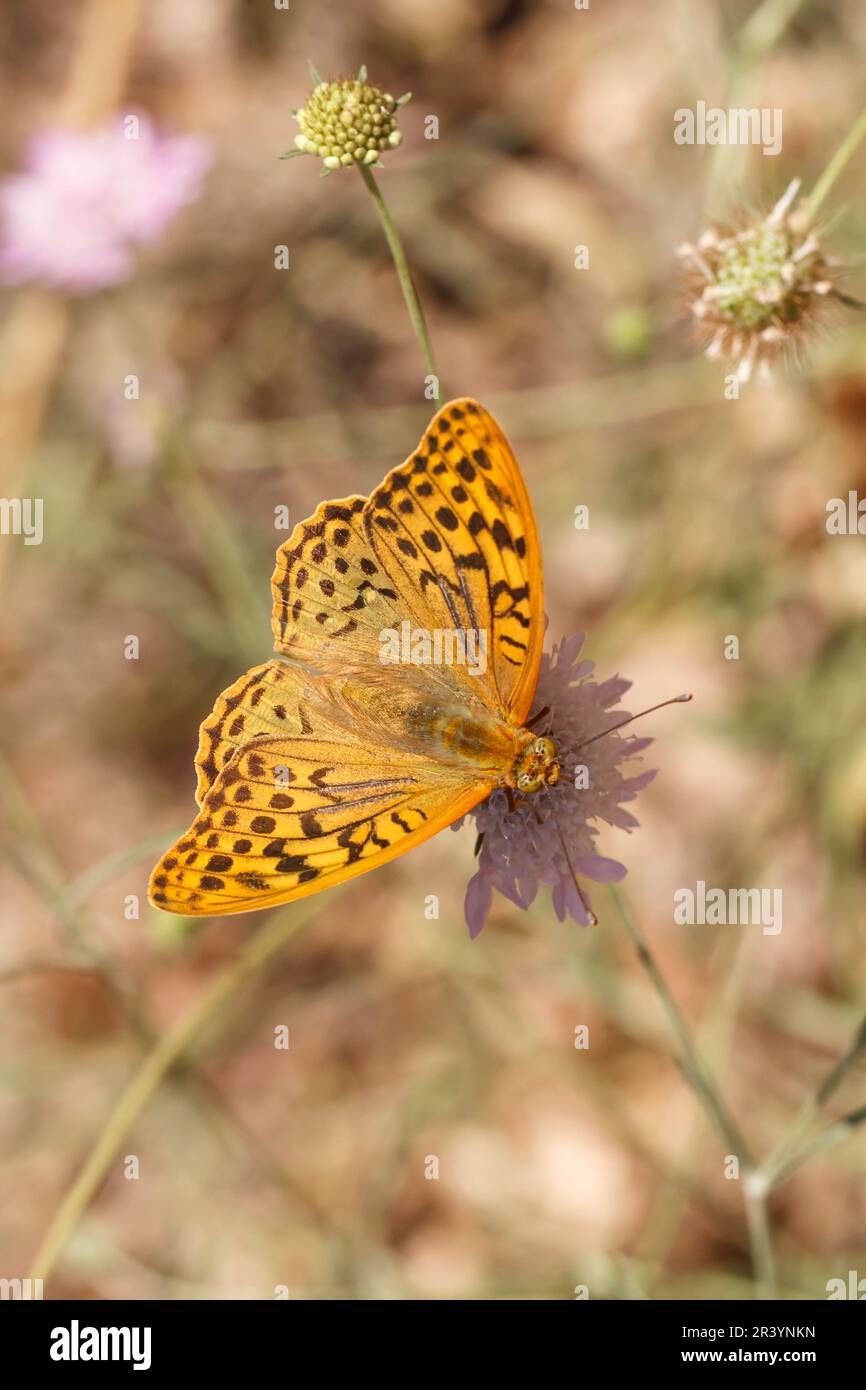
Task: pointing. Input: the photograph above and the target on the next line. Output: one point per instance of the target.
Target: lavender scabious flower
(549, 834)
(87, 200)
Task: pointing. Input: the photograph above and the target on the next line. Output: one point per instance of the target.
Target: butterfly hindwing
(331, 598)
(263, 703)
(286, 817)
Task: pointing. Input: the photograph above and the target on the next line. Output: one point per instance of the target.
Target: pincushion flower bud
(754, 292)
(348, 122)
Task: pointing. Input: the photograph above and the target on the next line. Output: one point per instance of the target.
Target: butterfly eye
(540, 746)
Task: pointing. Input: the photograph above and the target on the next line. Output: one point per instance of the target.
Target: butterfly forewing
(453, 528)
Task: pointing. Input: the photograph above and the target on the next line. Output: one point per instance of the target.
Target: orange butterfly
(409, 627)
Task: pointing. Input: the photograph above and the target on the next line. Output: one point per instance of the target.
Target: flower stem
(810, 208)
(395, 246)
(764, 27)
(752, 42)
(166, 1054)
(793, 1149)
(755, 1185)
(778, 1171)
(689, 1060)
(760, 1235)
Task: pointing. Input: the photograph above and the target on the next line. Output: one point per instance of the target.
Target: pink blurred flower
(88, 200)
(522, 848)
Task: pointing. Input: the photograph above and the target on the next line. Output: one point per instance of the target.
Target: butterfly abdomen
(461, 737)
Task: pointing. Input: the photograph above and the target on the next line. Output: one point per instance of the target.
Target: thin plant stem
(401, 265)
(764, 27)
(223, 558)
(791, 1151)
(689, 1060)
(715, 1038)
(569, 408)
(760, 1236)
(811, 206)
(777, 1159)
(777, 1171)
(67, 898)
(749, 46)
(79, 888)
(755, 1185)
(837, 1073)
(166, 1054)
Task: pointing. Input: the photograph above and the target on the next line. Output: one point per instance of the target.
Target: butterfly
(408, 629)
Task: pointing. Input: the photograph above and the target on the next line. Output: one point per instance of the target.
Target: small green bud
(628, 331)
(347, 122)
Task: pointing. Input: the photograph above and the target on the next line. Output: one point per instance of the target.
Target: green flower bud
(348, 122)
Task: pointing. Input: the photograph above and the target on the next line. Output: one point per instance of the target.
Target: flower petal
(476, 904)
(600, 869)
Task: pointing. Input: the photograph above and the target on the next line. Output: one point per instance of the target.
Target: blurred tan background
(306, 1168)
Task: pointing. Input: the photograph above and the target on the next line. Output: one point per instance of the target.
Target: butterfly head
(536, 765)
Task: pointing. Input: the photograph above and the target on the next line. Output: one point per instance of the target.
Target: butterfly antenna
(674, 700)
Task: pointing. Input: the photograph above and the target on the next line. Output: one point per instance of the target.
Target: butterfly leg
(536, 718)
(593, 920)
(516, 802)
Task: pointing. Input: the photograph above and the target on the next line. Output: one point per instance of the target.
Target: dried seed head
(348, 122)
(754, 292)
